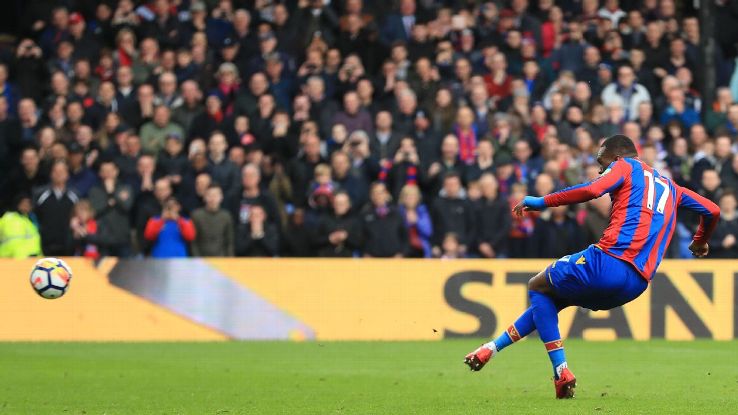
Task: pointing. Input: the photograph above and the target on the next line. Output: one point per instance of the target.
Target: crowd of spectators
(341, 128)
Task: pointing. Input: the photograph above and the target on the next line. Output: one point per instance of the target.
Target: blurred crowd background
(341, 128)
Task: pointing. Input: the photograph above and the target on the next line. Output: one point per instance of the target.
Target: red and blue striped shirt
(643, 213)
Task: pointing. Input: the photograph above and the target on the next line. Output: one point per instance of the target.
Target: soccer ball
(50, 277)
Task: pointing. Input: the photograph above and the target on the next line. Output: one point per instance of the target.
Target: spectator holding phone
(170, 233)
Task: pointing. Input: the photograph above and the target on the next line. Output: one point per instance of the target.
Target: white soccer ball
(50, 277)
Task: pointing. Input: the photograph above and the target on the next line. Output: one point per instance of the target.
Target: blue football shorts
(595, 280)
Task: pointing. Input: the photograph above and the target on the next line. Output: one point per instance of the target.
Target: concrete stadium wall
(346, 299)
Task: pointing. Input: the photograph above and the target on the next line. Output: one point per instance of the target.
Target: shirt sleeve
(187, 229)
(153, 227)
(613, 177)
(709, 213)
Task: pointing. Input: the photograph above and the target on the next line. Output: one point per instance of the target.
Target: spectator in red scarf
(212, 119)
(84, 230)
(466, 132)
(228, 85)
(521, 230)
(403, 169)
(417, 220)
(498, 81)
(538, 121)
(126, 52)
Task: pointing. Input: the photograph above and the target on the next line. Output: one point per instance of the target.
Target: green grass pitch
(363, 378)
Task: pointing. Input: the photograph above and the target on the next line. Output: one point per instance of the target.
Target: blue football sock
(546, 318)
(522, 327)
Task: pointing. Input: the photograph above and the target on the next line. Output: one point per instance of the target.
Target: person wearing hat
(230, 52)
(267, 47)
(86, 44)
(19, 236)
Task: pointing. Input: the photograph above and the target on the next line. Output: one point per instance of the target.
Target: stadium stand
(348, 127)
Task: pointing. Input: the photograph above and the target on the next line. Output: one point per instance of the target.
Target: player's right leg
(522, 327)
(543, 302)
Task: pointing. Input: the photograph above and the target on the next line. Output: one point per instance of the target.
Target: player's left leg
(523, 326)
(567, 275)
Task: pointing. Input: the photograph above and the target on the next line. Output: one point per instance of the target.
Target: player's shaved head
(613, 148)
(620, 145)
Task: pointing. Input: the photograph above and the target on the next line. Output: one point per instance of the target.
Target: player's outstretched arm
(611, 179)
(528, 203)
(709, 216)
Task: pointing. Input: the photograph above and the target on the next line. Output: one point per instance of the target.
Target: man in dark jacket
(112, 202)
(26, 177)
(298, 236)
(54, 204)
(172, 161)
(492, 219)
(452, 212)
(301, 169)
(223, 171)
(339, 233)
(257, 237)
(384, 141)
(385, 234)
(250, 194)
(351, 180)
(557, 233)
(724, 242)
(82, 178)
